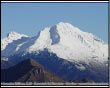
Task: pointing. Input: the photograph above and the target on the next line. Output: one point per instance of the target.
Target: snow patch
(80, 67)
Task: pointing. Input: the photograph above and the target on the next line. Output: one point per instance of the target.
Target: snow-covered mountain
(10, 38)
(10, 44)
(63, 40)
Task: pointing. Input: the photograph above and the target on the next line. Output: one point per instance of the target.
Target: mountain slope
(67, 69)
(28, 71)
(71, 51)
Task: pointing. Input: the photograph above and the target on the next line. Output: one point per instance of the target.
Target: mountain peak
(67, 27)
(32, 62)
(11, 33)
(64, 23)
(61, 23)
(14, 34)
(10, 38)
